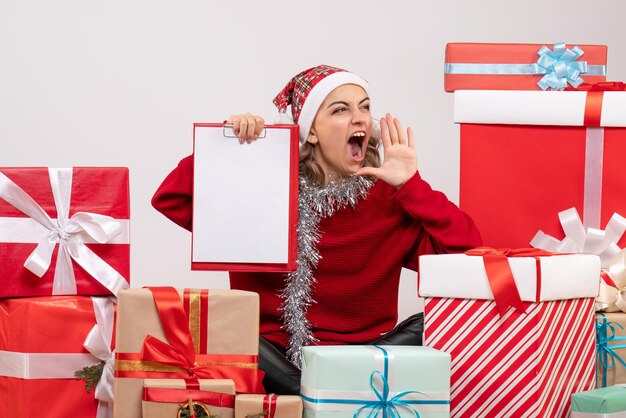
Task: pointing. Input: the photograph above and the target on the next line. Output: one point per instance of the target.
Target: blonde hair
(315, 173)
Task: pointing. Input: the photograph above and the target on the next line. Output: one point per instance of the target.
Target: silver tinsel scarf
(314, 203)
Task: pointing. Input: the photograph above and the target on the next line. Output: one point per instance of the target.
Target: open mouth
(357, 146)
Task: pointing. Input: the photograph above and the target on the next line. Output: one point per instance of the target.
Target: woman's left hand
(400, 162)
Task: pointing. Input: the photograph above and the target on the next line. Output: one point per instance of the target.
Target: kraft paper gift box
(609, 402)
(528, 363)
(527, 156)
(611, 348)
(490, 66)
(64, 231)
(268, 406)
(163, 398)
(164, 332)
(44, 341)
(346, 381)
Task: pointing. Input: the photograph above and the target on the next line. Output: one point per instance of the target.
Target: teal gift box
(341, 381)
(608, 402)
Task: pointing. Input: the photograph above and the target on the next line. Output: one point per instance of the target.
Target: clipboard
(245, 199)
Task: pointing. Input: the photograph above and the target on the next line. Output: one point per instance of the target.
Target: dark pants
(283, 378)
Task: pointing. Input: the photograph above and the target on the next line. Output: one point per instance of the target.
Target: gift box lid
(538, 279)
(509, 66)
(605, 400)
(554, 108)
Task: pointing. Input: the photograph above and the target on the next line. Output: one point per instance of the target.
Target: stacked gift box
(65, 254)
(534, 160)
(196, 345)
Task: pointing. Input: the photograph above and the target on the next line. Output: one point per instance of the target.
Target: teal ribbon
(384, 404)
(605, 333)
(558, 66)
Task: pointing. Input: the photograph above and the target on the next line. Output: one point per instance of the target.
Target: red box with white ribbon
(528, 155)
(528, 360)
(43, 342)
(64, 231)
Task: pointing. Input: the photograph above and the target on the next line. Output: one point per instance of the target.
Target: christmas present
(610, 349)
(507, 359)
(184, 334)
(526, 156)
(268, 406)
(609, 402)
(486, 66)
(64, 231)
(345, 381)
(44, 342)
(174, 397)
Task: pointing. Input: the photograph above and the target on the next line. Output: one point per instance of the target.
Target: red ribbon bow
(500, 276)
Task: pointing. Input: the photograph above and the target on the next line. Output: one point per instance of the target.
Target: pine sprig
(91, 375)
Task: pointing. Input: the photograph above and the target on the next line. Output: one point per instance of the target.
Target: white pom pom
(283, 118)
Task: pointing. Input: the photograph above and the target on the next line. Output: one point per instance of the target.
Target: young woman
(360, 222)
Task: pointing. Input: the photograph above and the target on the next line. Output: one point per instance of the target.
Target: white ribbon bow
(69, 233)
(578, 239)
(98, 343)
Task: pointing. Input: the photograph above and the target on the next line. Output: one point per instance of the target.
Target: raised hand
(400, 162)
(247, 126)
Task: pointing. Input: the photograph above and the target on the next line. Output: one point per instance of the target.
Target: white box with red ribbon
(527, 349)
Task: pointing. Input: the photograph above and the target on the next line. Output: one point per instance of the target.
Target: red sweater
(363, 250)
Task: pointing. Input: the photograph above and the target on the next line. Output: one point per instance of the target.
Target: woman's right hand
(247, 126)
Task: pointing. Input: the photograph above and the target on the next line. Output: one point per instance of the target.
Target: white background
(120, 83)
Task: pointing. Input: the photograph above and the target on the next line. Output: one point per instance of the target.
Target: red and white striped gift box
(519, 364)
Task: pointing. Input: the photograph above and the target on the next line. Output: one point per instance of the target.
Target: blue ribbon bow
(605, 333)
(389, 407)
(560, 67)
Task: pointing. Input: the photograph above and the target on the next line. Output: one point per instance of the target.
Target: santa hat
(306, 91)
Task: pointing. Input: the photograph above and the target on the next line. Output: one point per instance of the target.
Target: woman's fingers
(393, 131)
(400, 130)
(384, 133)
(259, 125)
(247, 126)
(235, 120)
(411, 138)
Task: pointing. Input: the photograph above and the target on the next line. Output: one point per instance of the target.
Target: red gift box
(518, 172)
(527, 361)
(68, 226)
(42, 346)
(488, 66)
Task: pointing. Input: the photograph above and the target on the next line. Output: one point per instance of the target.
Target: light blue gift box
(375, 381)
(608, 402)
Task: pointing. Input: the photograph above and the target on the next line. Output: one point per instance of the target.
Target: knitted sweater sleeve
(174, 196)
(445, 227)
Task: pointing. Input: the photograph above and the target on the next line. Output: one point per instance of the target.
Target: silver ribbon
(69, 233)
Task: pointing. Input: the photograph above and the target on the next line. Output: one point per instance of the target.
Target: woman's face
(341, 130)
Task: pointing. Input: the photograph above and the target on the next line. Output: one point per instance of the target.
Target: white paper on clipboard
(241, 197)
